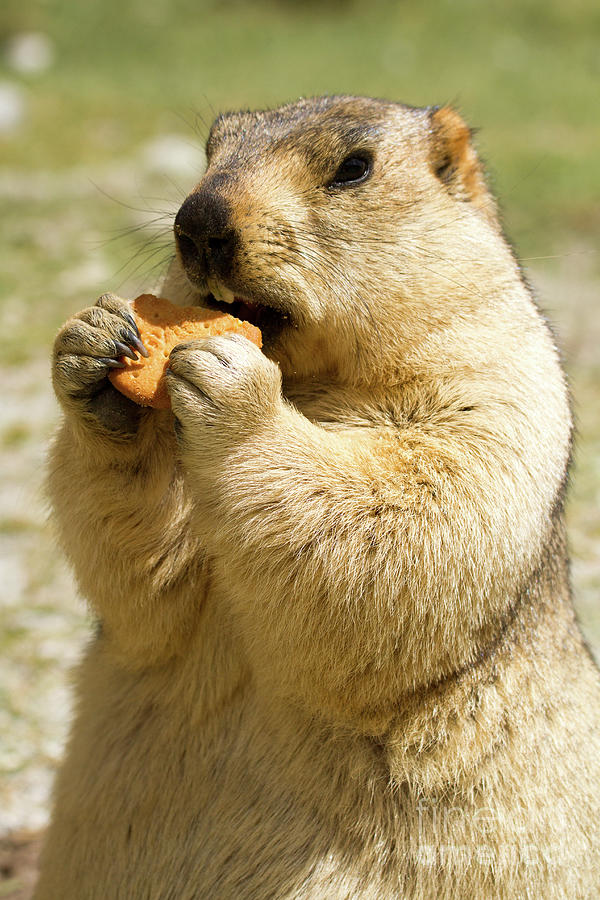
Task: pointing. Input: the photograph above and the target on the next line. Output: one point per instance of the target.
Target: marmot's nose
(205, 236)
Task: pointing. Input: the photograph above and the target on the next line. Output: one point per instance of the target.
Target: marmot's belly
(170, 812)
(226, 811)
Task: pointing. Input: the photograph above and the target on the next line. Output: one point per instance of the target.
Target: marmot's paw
(86, 348)
(222, 388)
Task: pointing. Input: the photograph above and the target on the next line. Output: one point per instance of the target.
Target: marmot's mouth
(269, 319)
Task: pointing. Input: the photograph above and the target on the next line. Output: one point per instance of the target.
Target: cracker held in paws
(162, 326)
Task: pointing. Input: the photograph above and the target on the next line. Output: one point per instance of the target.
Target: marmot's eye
(352, 170)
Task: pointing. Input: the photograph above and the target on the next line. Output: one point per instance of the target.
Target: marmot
(336, 653)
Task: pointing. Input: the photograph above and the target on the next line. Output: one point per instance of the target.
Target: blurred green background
(104, 107)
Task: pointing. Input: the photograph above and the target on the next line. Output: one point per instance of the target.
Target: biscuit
(162, 326)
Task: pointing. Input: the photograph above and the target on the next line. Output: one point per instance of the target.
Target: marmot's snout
(205, 235)
(214, 250)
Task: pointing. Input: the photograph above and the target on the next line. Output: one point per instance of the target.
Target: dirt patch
(19, 854)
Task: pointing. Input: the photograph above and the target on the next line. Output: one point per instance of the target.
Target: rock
(12, 107)
(29, 52)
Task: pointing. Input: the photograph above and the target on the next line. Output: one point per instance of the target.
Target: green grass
(15, 435)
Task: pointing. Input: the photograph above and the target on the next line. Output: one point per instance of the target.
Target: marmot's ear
(454, 160)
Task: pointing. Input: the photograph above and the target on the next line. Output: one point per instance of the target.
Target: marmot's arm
(123, 521)
(327, 537)
(118, 496)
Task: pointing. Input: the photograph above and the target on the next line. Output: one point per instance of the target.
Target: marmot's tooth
(220, 292)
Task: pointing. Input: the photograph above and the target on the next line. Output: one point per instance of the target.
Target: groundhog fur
(336, 654)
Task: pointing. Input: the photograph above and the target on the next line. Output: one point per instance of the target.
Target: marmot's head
(334, 222)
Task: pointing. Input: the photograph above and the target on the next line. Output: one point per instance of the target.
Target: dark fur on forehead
(350, 119)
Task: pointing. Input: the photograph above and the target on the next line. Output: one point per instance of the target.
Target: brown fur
(337, 655)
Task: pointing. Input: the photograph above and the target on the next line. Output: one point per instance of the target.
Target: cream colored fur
(337, 656)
